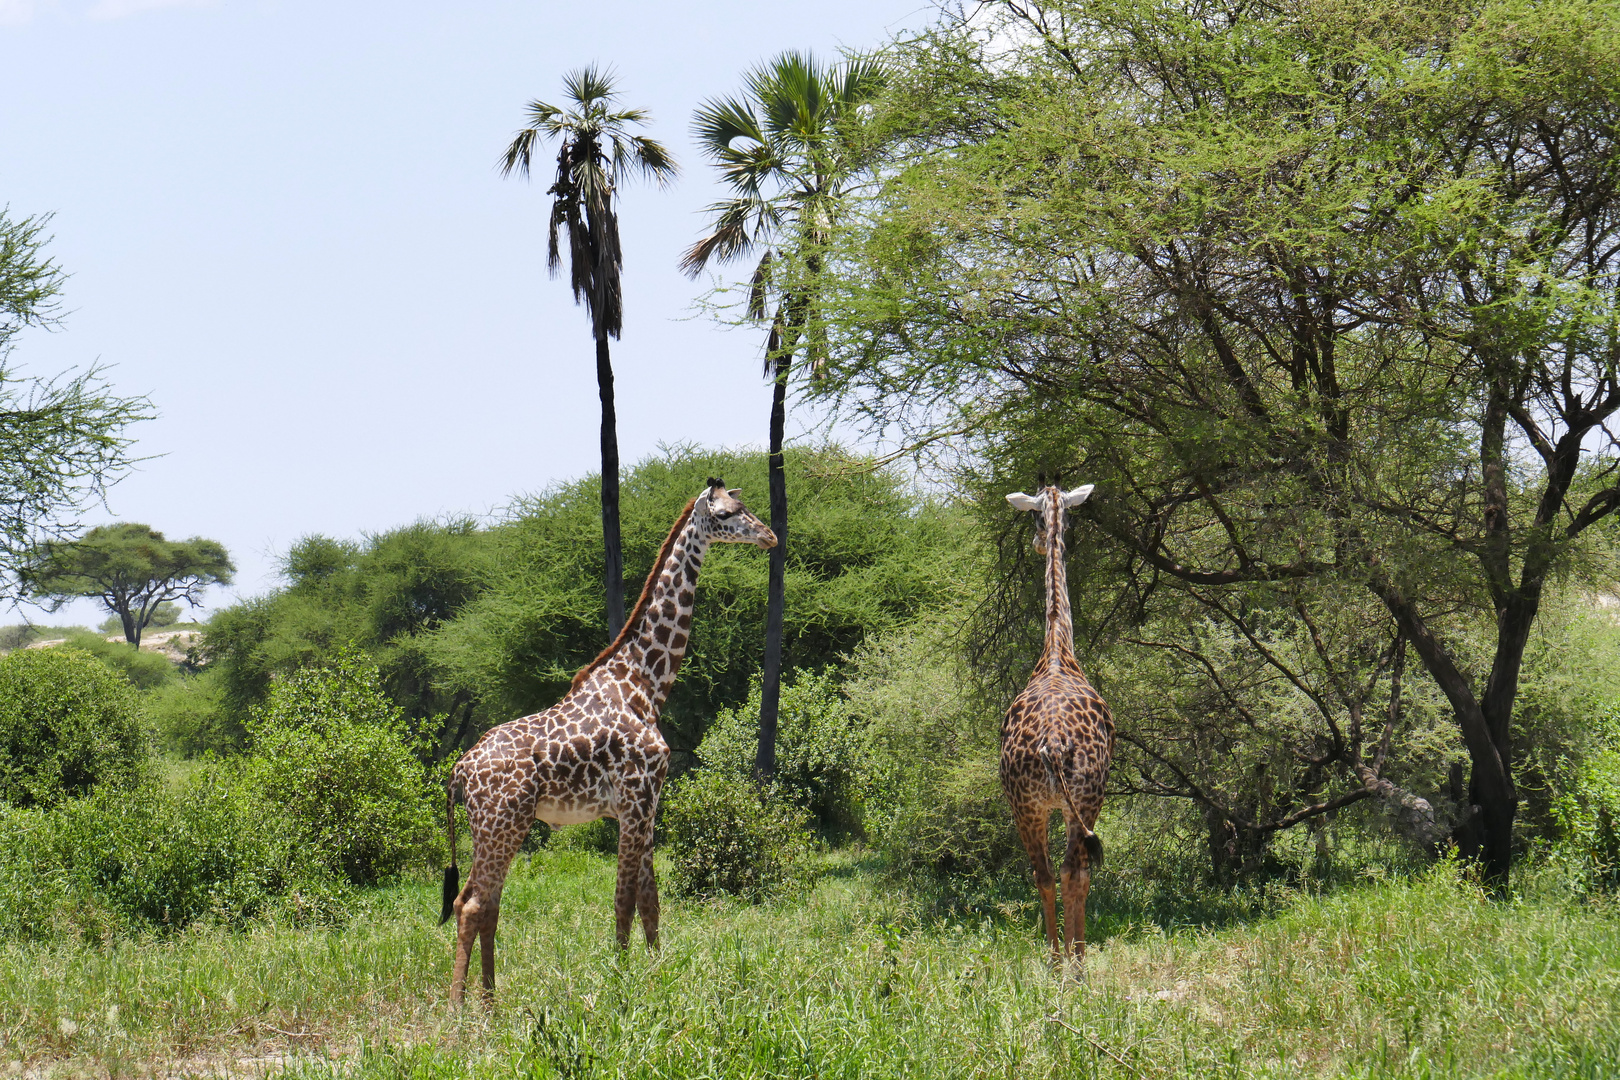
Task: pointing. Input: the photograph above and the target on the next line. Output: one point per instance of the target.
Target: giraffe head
(725, 520)
(1050, 506)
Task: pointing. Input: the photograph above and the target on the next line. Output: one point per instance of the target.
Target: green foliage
(931, 756)
(22, 635)
(144, 670)
(1319, 296)
(190, 717)
(1588, 811)
(153, 858)
(62, 440)
(729, 836)
(130, 568)
(865, 554)
(342, 762)
(819, 750)
(384, 596)
(67, 726)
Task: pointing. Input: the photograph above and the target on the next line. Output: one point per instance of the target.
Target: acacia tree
(595, 153)
(785, 148)
(1319, 296)
(62, 441)
(130, 568)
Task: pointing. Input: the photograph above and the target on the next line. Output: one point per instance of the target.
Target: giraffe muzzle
(766, 542)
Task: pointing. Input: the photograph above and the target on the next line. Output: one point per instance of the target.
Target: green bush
(145, 858)
(1588, 812)
(728, 836)
(144, 670)
(929, 764)
(819, 748)
(67, 724)
(343, 763)
(190, 717)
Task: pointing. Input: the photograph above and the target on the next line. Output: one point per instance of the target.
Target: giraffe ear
(735, 493)
(1020, 501)
(1078, 495)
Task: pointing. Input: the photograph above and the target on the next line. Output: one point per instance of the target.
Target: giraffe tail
(1093, 842)
(452, 873)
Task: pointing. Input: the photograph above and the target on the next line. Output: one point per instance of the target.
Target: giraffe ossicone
(596, 753)
(1057, 740)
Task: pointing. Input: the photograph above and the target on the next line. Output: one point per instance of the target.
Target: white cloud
(118, 9)
(16, 12)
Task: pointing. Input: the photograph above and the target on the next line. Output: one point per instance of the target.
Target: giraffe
(1057, 740)
(596, 753)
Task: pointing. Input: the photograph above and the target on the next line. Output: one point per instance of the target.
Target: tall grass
(1419, 977)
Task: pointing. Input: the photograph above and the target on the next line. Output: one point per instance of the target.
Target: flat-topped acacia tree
(130, 568)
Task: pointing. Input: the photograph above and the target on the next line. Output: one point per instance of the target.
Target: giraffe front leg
(647, 899)
(632, 851)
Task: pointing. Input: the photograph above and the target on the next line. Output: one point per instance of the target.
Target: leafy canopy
(130, 568)
(62, 440)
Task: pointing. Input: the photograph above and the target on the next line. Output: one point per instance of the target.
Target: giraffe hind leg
(1076, 886)
(1032, 831)
(486, 948)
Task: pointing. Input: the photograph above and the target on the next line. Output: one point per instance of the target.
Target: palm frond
(589, 85)
(718, 122)
(646, 156)
(729, 238)
(759, 287)
(518, 155)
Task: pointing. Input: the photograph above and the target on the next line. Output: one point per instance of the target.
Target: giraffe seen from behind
(1057, 740)
(596, 753)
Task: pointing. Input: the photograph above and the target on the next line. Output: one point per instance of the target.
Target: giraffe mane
(641, 604)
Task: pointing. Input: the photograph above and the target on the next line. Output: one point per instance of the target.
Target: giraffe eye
(724, 514)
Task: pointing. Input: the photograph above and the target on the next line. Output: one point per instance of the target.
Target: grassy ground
(860, 979)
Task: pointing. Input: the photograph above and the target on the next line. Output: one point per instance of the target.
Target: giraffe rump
(634, 618)
(1055, 777)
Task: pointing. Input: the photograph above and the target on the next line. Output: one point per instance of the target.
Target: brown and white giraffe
(597, 752)
(1057, 740)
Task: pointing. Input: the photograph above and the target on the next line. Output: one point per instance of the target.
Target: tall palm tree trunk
(771, 677)
(612, 545)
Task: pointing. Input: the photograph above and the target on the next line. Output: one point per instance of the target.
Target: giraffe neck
(1059, 648)
(656, 644)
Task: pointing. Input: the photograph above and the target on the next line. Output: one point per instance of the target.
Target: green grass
(861, 978)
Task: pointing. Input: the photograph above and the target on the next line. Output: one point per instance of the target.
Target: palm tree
(783, 147)
(596, 151)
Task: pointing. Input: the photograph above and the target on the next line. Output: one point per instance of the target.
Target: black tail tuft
(1094, 854)
(452, 888)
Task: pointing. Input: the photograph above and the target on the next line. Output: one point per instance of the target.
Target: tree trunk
(770, 697)
(132, 626)
(612, 545)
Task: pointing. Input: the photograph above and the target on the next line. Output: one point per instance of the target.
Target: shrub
(144, 670)
(818, 749)
(929, 765)
(190, 717)
(340, 759)
(67, 724)
(149, 858)
(1588, 813)
(729, 836)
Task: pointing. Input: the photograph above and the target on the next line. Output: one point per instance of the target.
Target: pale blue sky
(284, 222)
